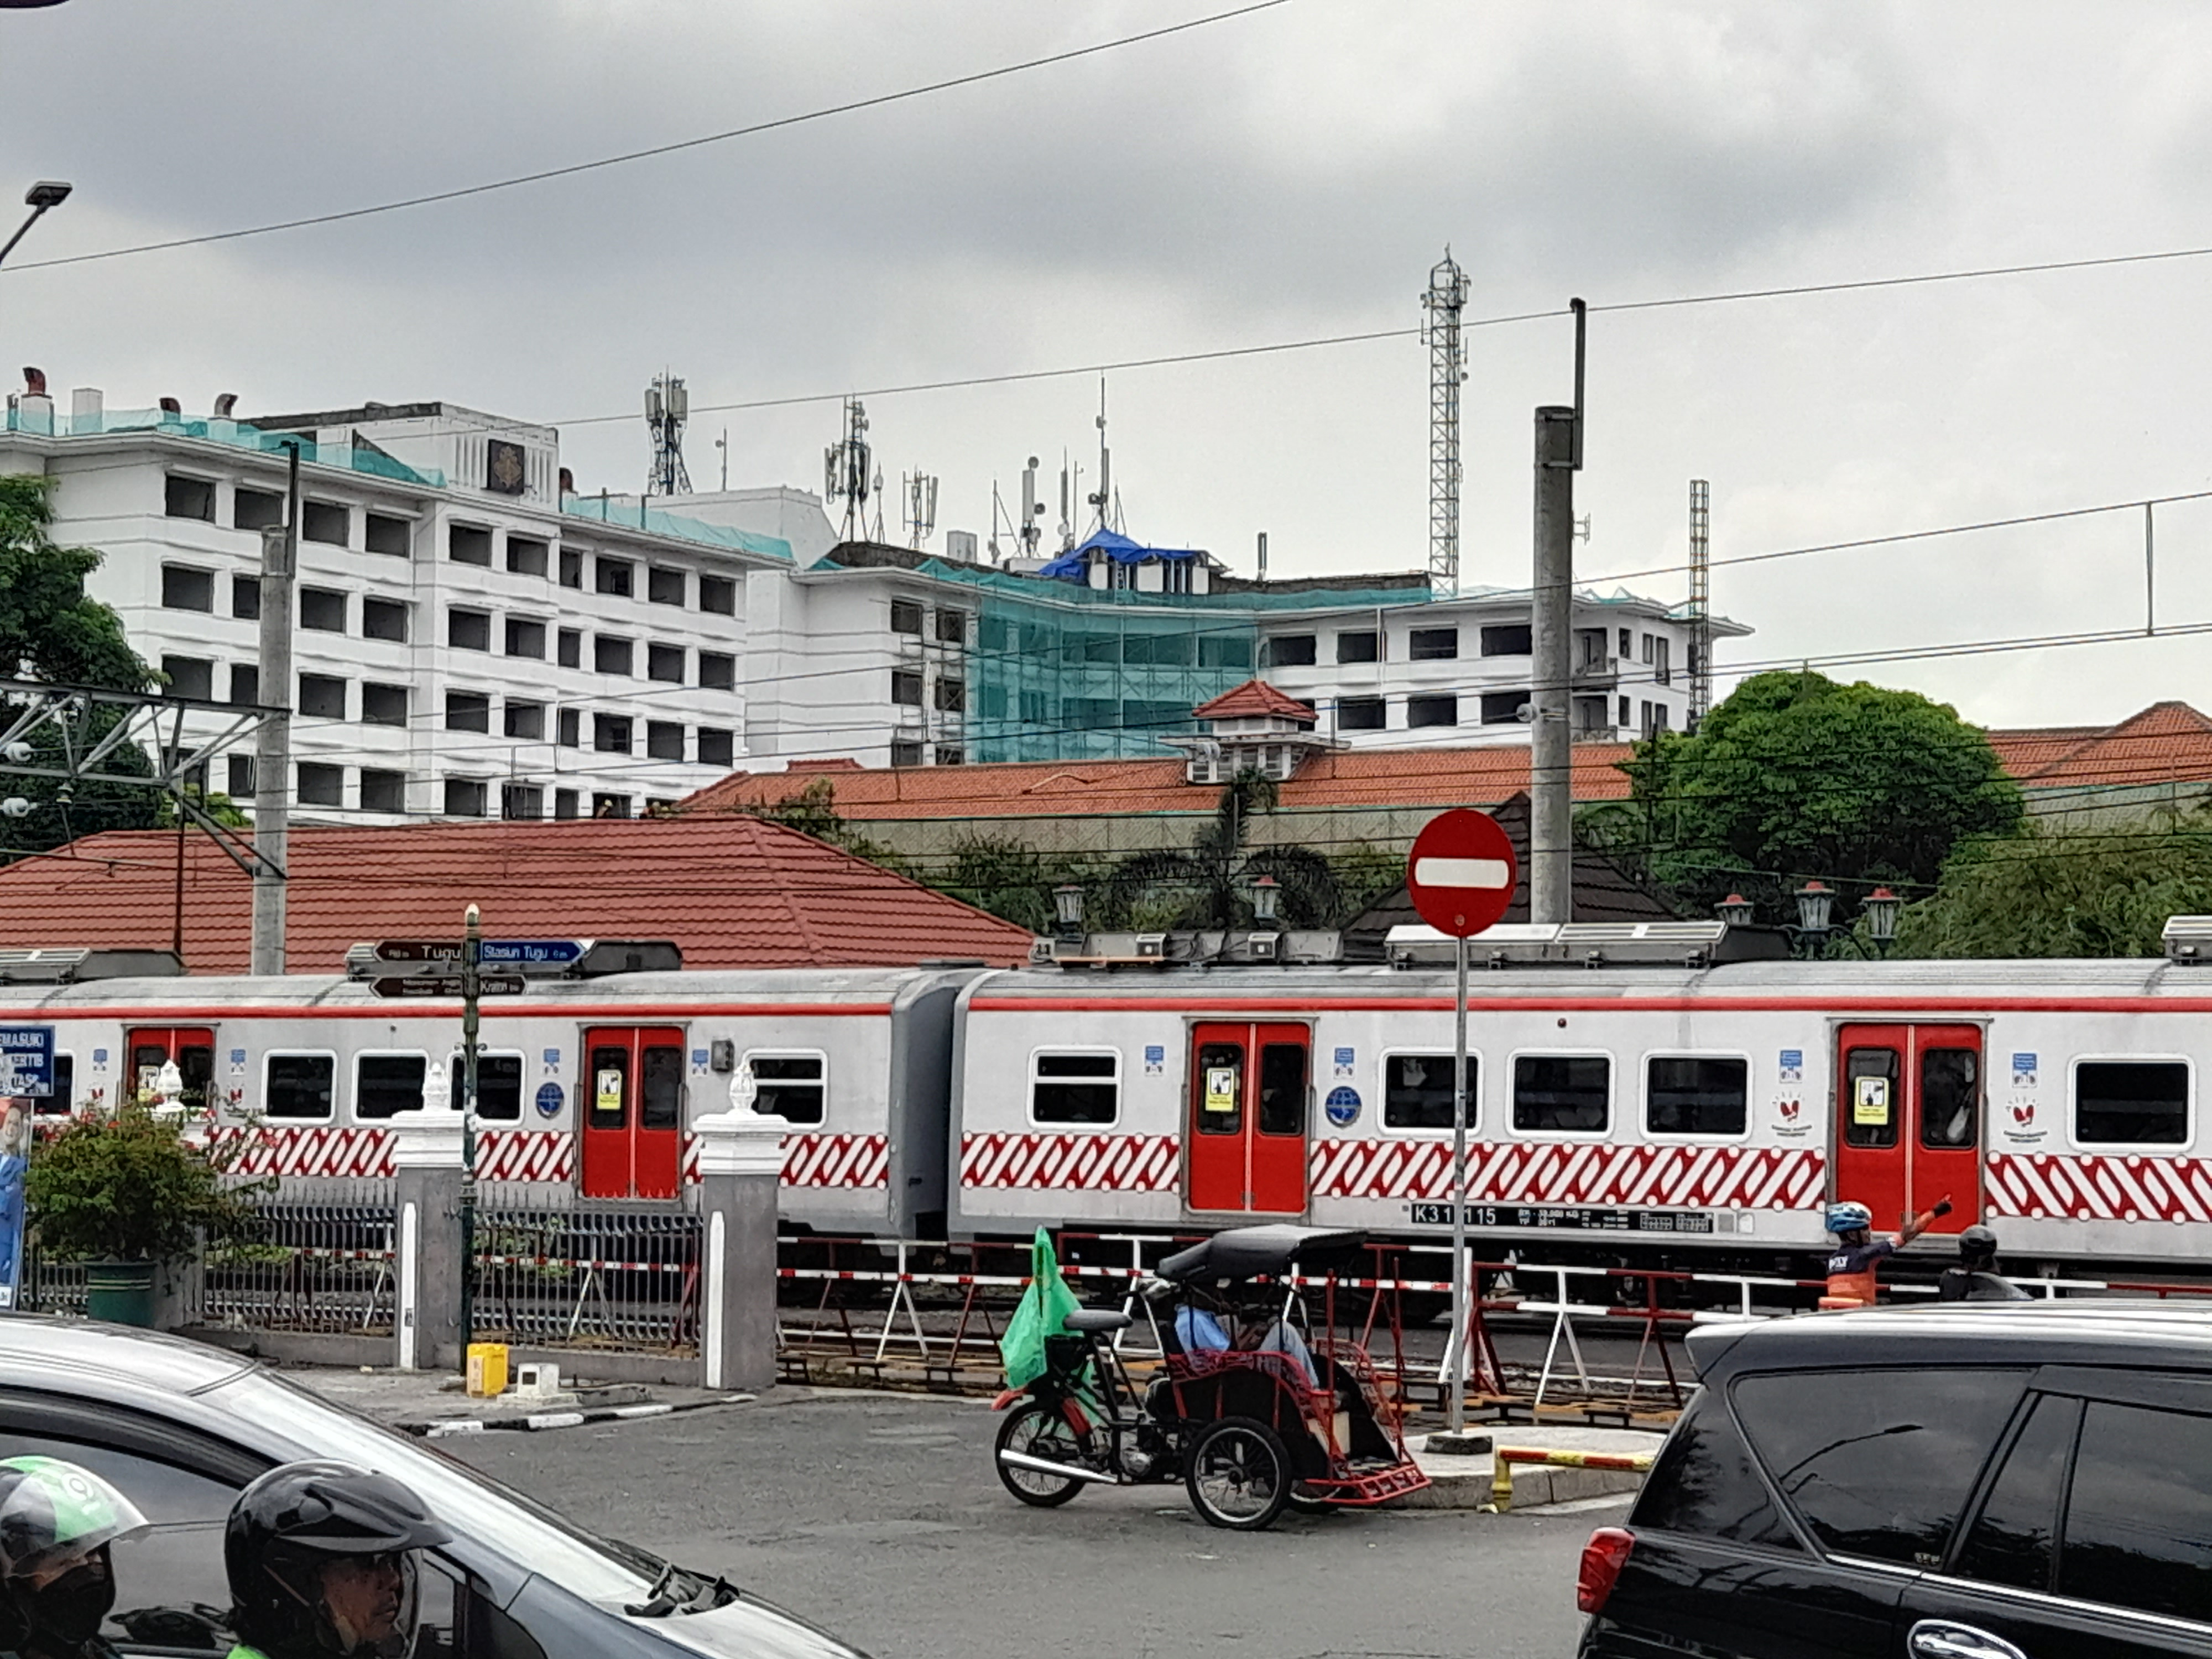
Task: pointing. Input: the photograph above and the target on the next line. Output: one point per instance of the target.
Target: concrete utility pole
(1551, 740)
(273, 761)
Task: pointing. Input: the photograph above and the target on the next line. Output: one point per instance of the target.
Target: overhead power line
(627, 156)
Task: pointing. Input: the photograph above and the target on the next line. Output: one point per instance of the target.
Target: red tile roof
(731, 892)
(2165, 743)
(1255, 697)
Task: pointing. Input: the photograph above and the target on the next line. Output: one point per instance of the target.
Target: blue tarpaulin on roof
(1073, 564)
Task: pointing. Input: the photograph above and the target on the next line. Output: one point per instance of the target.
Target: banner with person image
(14, 1161)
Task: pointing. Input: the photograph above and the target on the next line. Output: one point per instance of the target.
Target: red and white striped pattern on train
(2089, 1189)
(837, 1160)
(1073, 1163)
(1704, 1177)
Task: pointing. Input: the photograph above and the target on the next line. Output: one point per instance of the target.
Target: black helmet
(1977, 1245)
(293, 1526)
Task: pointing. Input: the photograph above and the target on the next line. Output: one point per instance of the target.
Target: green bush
(124, 1186)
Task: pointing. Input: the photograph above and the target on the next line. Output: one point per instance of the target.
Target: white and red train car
(1636, 1113)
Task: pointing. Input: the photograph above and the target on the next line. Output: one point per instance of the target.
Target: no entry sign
(1461, 872)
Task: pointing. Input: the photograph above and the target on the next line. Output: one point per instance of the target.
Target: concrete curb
(1467, 1482)
(534, 1422)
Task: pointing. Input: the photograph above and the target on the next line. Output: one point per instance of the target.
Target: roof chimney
(567, 482)
(171, 406)
(224, 404)
(35, 382)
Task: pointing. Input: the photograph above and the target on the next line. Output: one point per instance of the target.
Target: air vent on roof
(72, 966)
(2188, 938)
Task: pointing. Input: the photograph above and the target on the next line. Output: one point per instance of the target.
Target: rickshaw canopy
(1261, 1252)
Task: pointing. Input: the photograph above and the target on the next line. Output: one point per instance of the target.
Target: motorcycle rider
(1852, 1281)
(57, 1520)
(1976, 1279)
(323, 1558)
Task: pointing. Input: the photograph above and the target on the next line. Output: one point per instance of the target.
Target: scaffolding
(1701, 603)
(1445, 301)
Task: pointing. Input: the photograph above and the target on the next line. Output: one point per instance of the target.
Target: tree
(1208, 884)
(1795, 777)
(812, 810)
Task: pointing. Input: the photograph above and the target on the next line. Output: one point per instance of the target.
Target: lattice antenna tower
(667, 407)
(848, 472)
(1444, 302)
(1701, 602)
(921, 507)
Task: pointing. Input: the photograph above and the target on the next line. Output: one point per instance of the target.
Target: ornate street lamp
(1734, 911)
(1067, 902)
(1881, 909)
(1267, 899)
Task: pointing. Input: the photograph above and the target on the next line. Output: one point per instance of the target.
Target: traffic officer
(1975, 1279)
(323, 1558)
(1852, 1265)
(57, 1520)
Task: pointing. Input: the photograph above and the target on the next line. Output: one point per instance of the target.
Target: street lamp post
(40, 198)
(1067, 907)
(1266, 900)
(1815, 903)
(1734, 911)
(1881, 908)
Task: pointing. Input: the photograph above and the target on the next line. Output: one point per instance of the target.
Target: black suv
(1970, 1482)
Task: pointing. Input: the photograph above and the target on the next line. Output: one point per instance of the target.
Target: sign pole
(1455, 1417)
(471, 990)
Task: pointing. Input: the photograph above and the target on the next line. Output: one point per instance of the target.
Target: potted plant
(124, 1193)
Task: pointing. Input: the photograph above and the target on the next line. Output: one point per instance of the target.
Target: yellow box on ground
(487, 1369)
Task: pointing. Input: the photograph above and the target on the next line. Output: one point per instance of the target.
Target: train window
(384, 1083)
(1416, 1091)
(661, 1067)
(1084, 1088)
(1563, 1094)
(1283, 1089)
(1871, 1104)
(1950, 1096)
(57, 1104)
(499, 1085)
(1696, 1094)
(298, 1085)
(2131, 1103)
(793, 1087)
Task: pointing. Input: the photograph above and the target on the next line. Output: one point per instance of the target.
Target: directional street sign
(517, 953)
(1461, 872)
(446, 985)
(418, 950)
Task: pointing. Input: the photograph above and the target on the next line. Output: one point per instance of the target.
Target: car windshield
(473, 1505)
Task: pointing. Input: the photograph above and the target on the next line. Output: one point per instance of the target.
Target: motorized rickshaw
(1248, 1411)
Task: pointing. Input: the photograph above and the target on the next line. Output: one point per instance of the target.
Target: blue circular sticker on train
(1343, 1106)
(549, 1100)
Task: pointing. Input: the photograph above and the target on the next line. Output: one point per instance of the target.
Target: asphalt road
(879, 1516)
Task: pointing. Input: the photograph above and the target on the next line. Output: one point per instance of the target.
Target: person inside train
(56, 1579)
(1976, 1278)
(1855, 1263)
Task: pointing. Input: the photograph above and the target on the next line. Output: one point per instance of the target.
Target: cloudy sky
(1285, 175)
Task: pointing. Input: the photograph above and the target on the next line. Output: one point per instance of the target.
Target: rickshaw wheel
(1305, 1504)
(1040, 1433)
(1239, 1475)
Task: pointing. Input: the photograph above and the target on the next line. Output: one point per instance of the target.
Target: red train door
(633, 1111)
(152, 1047)
(1908, 1120)
(1245, 1149)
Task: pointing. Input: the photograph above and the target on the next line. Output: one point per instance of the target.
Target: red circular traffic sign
(1461, 872)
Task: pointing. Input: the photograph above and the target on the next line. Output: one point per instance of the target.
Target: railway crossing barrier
(1504, 1459)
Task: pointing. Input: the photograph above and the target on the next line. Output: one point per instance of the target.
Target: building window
(1361, 715)
(244, 684)
(525, 638)
(1624, 715)
(906, 617)
(718, 671)
(525, 801)
(183, 588)
(385, 1084)
(1291, 651)
(321, 786)
(571, 648)
(1178, 575)
(1562, 1094)
(1656, 652)
(245, 598)
(906, 686)
(188, 498)
(717, 747)
(610, 806)
(610, 735)
(1075, 1088)
(468, 630)
(524, 720)
(719, 595)
(950, 754)
(952, 696)
(327, 522)
(1509, 639)
(384, 619)
(525, 556)
(664, 740)
(464, 797)
(664, 587)
(323, 610)
(189, 676)
(612, 576)
(664, 662)
(1439, 710)
(564, 803)
(383, 705)
(1692, 1094)
(571, 567)
(610, 654)
(952, 626)
(1416, 1091)
(1433, 645)
(469, 544)
(1365, 645)
(1504, 707)
(467, 711)
(383, 792)
(568, 727)
(240, 770)
(1626, 653)
(256, 509)
(382, 533)
(322, 696)
(904, 753)
(2131, 1103)
(298, 1085)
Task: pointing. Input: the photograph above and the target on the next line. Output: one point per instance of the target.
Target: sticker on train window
(1871, 1103)
(609, 1091)
(1221, 1088)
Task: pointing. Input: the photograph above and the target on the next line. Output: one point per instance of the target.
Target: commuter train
(1687, 1108)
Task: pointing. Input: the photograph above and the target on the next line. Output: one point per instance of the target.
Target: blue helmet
(1849, 1218)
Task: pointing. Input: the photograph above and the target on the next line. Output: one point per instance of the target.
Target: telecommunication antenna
(1701, 602)
(1102, 497)
(920, 490)
(667, 406)
(1032, 510)
(1444, 301)
(847, 472)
